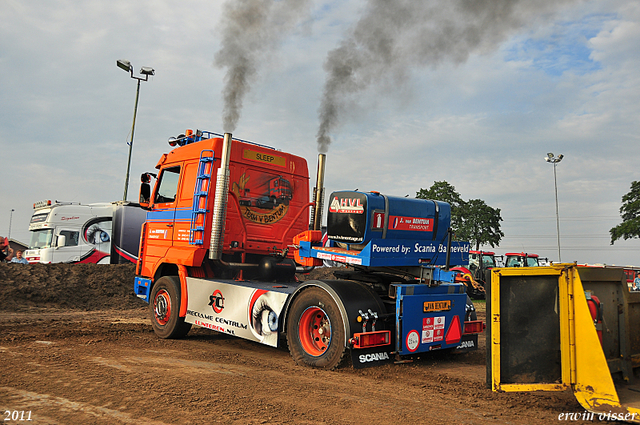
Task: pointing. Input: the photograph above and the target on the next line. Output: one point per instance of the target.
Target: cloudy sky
(436, 91)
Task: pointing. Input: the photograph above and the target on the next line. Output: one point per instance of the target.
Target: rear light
(371, 339)
(474, 327)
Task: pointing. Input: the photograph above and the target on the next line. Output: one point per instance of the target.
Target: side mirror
(62, 240)
(145, 194)
(145, 190)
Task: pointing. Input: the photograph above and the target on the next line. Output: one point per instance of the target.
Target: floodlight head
(560, 157)
(546, 158)
(147, 70)
(124, 64)
(550, 155)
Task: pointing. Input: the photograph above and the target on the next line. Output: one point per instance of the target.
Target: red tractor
(477, 275)
(522, 259)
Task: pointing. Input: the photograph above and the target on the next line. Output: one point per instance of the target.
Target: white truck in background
(71, 232)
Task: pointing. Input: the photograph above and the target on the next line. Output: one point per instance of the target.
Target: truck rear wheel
(315, 330)
(165, 308)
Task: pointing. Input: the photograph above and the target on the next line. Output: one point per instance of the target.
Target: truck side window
(71, 237)
(168, 185)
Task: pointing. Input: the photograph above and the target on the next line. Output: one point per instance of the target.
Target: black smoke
(394, 37)
(251, 29)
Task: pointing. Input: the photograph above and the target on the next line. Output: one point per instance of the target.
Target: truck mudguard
(352, 297)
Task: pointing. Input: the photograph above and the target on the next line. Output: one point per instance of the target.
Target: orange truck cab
(177, 233)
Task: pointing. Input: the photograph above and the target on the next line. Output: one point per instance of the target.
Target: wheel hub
(315, 331)
(162, 307)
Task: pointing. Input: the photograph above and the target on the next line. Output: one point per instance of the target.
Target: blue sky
(563, 82)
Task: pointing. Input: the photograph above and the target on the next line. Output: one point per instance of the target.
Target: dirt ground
(76, 347)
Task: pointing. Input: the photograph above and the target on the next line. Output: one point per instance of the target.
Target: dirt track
(72, 351)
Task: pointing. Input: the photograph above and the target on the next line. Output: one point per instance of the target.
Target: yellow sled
(545, 329)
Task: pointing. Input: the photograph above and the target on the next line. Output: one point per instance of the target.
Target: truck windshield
(41, 238)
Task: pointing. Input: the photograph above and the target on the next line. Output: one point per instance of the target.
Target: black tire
(164, 307)
(315, 330)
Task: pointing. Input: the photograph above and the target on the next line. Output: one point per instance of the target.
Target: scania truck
(213, 255)
(71, 232)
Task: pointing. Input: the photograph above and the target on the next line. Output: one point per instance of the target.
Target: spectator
(5, 250)
(19, 258)
(636, 283)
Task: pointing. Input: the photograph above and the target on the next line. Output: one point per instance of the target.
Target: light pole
(554, 160)
(146, 71)
(10, 220)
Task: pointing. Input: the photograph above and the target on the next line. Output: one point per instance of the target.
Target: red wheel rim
(162, 307)
(315, 331)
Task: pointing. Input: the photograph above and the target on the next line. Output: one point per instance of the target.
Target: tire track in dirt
(88, 357)
(72, 411)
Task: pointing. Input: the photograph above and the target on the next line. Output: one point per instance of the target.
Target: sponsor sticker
(73, 217)
(431, 306)
(418, 224)
(216, 301)
(433, 329)
(157, 234)
(339, 258)
(265, 218)
(346, 206)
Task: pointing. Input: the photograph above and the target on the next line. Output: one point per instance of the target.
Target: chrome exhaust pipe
(318, 195)
(220, 201)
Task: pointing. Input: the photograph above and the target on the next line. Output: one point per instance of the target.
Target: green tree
(480, 224)
(443, 191)
(472, 221)
(630, 213)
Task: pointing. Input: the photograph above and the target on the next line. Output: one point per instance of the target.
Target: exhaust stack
(318, 195)
(220, 202)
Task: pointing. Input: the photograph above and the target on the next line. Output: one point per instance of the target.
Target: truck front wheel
(165, 307)
(315, 330)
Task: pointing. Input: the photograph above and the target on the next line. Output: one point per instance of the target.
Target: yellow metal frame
(495, 331)
(584, 367)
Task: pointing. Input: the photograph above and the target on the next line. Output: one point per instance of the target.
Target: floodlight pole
(133, 127)
(10, 220)
(146, 71)
(554, 160)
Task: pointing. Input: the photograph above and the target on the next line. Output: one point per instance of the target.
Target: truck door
(184, 205)
(69, 251)
(161, 218)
